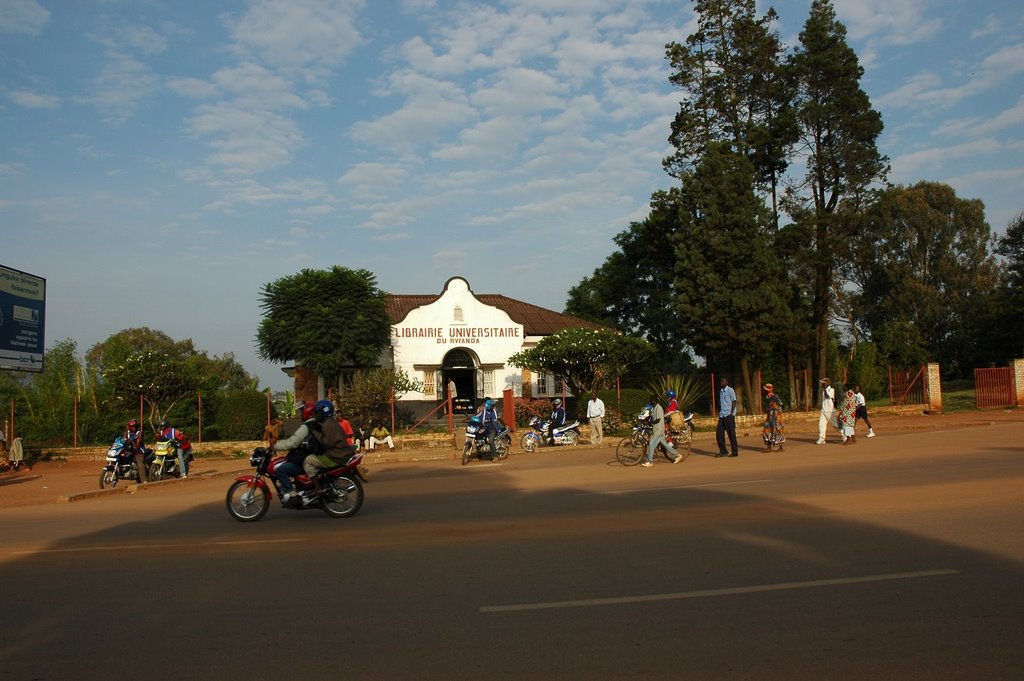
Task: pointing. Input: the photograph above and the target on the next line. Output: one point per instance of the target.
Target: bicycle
(631, 449)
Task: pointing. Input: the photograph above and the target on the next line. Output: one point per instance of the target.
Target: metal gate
(993, 388)
(907, 387)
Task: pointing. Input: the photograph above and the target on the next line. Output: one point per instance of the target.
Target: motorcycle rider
(180, 442)
(491, 424)
(288, 469)
(333, 441)
(557, 419)
(133, 442)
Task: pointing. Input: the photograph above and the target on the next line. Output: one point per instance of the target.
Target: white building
(464, 338)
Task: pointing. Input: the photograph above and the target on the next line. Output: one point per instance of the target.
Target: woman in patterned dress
(774, 431)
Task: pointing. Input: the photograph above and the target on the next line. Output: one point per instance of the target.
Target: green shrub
(241, 415)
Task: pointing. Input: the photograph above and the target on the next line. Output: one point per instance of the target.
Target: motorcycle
(165, 461)
(679, 433)
(567, 434)
(120, 464)
(341, 496)
(477, 445)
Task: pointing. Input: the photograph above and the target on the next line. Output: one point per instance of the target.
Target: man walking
(828, 409)
(726, 419)
(658, 436)
(595, 412)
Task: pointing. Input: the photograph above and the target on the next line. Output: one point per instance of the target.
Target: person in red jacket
(181, 444)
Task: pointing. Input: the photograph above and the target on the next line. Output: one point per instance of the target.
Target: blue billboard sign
(22, 320)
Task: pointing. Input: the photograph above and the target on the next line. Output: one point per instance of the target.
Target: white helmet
(557, 401)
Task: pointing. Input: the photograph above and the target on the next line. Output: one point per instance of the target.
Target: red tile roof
(536, 321)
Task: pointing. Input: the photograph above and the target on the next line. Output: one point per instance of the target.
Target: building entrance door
(460, 368)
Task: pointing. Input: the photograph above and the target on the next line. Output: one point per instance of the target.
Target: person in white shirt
(828, 410)
(862, 409)
(595, 414)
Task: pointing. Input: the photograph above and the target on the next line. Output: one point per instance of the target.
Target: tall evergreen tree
(838, 136)
(736, 90)
(732, 294)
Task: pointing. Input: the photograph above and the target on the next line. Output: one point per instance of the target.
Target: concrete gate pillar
(1018, 382)
(934, 386)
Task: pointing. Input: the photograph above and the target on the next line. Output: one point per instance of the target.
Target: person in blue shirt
(726, 419)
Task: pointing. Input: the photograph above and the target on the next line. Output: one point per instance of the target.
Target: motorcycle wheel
(503, 444)
(108, 479)
(343, 498)
(684, 439)
(156, 472)
(571, 439)
(629, 452)
(529, 443)
(467, 452)
(247, 505)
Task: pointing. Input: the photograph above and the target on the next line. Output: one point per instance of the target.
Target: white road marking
(662, 489)
(761, 588)
(134, 547)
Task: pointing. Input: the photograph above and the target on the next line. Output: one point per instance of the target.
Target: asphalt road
(898, 558)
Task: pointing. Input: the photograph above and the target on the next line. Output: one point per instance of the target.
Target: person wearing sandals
(774, 428)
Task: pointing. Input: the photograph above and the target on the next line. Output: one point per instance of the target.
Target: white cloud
(300, 32)
(910, 165)
(246, 140)
(194, 88)
(34, 100)
(370, 181)
(22, 16)
(120, 87)
(974, 126)
(892, 22)
(923, 89)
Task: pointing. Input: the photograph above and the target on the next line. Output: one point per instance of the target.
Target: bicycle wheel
(684, 441)
(630, 451)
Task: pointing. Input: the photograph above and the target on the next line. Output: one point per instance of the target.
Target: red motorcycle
(341, 494)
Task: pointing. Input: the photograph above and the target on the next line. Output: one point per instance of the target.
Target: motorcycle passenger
(133, 443)
(333, 443)
(672, 405)
(557, 419)
(286, 470)
(490, 422)
(180, 442)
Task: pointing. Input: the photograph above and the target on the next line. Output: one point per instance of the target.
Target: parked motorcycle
(477, 445)
(165, 461)
(248, 497)
(120, 464)
(567, 434)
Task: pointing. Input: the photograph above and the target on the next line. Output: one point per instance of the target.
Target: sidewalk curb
(132, 488)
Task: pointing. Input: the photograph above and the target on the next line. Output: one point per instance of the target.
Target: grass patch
(958, 400)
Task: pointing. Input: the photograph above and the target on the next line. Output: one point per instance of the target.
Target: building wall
(458, 321)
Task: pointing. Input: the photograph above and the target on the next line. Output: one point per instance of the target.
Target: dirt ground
(51, 481)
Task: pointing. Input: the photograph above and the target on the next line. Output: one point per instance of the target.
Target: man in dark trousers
(726, 419)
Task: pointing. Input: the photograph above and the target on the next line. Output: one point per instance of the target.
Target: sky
(162, 160)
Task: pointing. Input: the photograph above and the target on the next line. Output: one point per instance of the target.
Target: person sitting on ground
(380, 435)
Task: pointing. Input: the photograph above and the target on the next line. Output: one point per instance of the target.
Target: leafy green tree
(369, 391)
(1002, 324)
(632, 290)
(326, 320)
(160, 380)
(923, 266)
(838, 135)
(586, 359)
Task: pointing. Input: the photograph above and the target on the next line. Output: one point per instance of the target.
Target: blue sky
(161, 160)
